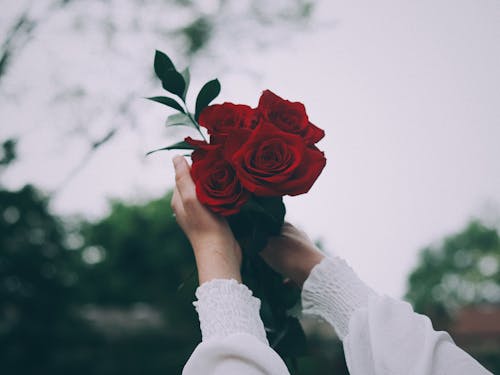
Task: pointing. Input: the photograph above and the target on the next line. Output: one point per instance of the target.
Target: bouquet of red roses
(253, 157)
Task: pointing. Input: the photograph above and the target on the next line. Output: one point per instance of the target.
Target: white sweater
(380, 335)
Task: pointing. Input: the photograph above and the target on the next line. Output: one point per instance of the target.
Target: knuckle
(173, 204)
(190, 200)
(182, 177)
(179, 177)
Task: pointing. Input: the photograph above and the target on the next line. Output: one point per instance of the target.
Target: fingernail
(177, 160)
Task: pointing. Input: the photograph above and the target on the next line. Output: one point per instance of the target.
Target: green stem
(193, 121)
(197, 126)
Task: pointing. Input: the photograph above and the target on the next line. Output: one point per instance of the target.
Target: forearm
(213, 264)
(334, 292)
(381, 335)
(292, 254)
(226, 307)
(234, 339)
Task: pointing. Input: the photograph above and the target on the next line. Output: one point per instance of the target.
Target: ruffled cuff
(226, 307)
(334, 292)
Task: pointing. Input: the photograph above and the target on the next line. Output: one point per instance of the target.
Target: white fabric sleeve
(381, 335)
(233, 336)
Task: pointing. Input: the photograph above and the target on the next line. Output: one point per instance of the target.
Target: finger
(175, 202)
(177, 206)
(183, 180)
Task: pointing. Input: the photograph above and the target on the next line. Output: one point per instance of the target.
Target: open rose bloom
(268, 151)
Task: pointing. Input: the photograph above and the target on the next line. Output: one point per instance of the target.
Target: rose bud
(222, 119)
(289, 116)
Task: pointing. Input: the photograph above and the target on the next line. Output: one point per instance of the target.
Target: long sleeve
(380, 335)
(233, 336)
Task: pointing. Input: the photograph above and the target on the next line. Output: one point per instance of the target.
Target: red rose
(272, 162)
(202, 148)
(217, 185)
(289, 116)
(222, 119)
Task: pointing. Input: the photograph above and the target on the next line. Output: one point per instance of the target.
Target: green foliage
(49, 278)
(169, 102)
(182, 145)
(179, 119)
(38, 326)
(186, 74)
(208, 92)
(145, 259)
(258, 219)
(8, 152)
(134, 259)
(463, 269)
(177, 84)
(139, 242)
(198, 33)
(171, 79)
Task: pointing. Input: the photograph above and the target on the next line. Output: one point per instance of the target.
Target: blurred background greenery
(113, 295)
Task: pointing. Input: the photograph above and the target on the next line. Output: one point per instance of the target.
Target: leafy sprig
(177, 84)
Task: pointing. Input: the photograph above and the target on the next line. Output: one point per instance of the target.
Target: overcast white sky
(408, 93)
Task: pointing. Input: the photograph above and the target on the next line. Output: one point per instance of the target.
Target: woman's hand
(292, 254)
(217, 253)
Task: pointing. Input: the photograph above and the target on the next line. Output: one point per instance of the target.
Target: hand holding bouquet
(253, 157)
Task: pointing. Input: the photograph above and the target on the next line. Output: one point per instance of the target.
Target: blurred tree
(461, 270)
(92, 298)
(38, 324)
(94, 60)
(8, 152)
(137, 259)
(199, 21)
(107, 300)
(8, 156)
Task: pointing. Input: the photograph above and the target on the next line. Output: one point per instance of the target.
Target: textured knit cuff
(226, 307)
(334, 292)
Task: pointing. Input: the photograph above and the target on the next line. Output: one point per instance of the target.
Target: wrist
(294, 262)
(217, 260)
(300, 271)
(211, 271)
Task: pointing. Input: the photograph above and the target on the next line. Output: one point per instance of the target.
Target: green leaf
(174, 83)
(162, 64)
(171, 79)
(270, 209)
(187, 80)
(172, 103)
(207, 93)
(176, 146)
(179, 119)
(258, 219)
